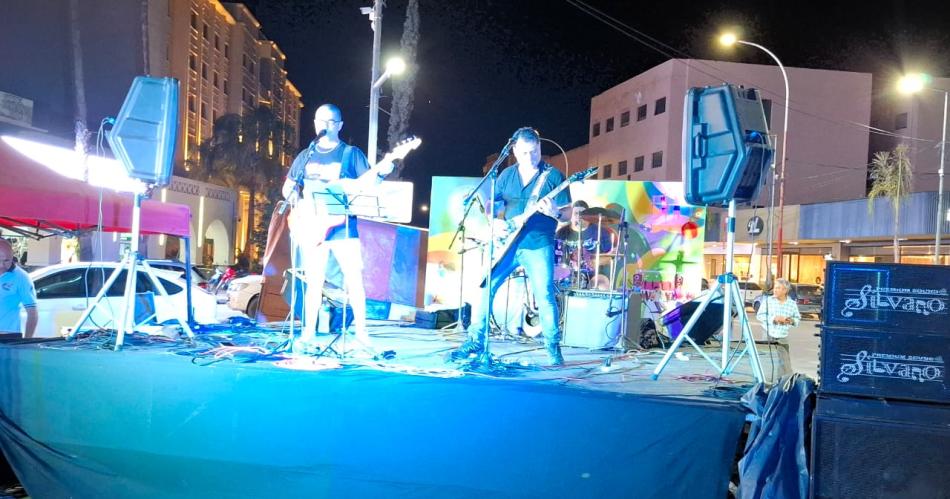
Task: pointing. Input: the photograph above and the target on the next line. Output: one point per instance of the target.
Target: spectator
(16, 289)
(779, 313)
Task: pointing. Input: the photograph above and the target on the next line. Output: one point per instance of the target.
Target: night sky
(489, 67)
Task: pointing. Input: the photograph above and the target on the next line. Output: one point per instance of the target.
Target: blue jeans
(538, 265)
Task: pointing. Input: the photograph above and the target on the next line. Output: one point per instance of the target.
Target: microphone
(284, 203)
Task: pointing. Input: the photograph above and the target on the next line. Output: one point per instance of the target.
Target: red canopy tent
(32, 195)
(37, 201)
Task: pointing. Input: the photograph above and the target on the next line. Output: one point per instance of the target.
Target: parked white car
(244, 294)
(64, 291)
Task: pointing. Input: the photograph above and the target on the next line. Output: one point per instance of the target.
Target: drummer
(584, 231)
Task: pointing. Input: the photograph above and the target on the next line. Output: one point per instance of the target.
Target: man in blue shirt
(533, 249)
(16, 289)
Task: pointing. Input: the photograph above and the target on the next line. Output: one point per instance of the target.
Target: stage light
(98, 171)
(728, 39)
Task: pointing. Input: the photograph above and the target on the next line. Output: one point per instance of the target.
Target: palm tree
(243, 152)
(891, 179)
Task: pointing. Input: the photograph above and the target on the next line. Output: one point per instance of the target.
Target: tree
(891, 179)
(404, 88)
(244, 152)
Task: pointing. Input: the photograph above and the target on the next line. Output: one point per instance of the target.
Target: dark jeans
(538, 265)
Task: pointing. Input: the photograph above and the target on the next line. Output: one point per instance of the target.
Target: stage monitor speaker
(706, 326)
(143, 136)
(592, 320)
(726, 145)
(870, 448)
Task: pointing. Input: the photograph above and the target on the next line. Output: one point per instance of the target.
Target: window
(69, 283)
(900, 121)
(244, 60)
(204, 110)
(226, 89)
(243, 93)
(607, 171)
(624, 119)
(215, 80)
(622, 168)
(194, 19)
(609, 125)
(251, 67)
(217, 42)
(595, 130)
(638, 164)
(204, 31)
(193, 62)
(204, 70)
(191, 103)
(227, 51)
(657, 159)
(660, 106)
(642, 113)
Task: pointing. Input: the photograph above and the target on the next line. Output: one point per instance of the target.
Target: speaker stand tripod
(728, 287)
(130, 264)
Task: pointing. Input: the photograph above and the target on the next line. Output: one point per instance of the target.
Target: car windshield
(809, 291)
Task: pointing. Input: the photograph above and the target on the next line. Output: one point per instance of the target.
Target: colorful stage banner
(664, 245)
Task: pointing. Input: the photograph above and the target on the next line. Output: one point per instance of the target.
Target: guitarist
(328, 159)
(533, 249)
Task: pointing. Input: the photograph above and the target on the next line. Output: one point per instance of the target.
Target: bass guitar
(513, 226)
(314, 216)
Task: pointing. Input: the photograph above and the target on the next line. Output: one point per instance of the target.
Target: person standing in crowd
(778, 314)
(16, 290)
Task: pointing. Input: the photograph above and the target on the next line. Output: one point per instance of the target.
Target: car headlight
(237, 286)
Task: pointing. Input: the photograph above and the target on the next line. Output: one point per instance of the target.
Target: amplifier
(592, 319)
(887, 297)
(867, 448)
(900, 365)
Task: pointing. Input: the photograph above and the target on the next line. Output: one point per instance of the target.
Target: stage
(163, 418)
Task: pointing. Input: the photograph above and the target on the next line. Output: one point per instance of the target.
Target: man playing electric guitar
(328, 161)
(533, 247)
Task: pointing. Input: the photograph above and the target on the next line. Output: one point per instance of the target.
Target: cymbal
(605, 216)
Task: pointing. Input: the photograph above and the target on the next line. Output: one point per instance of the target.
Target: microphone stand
(492, 178)
(459, 325)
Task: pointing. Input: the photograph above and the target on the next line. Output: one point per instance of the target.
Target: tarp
(33, 195)
(775, 462)
(97, 423)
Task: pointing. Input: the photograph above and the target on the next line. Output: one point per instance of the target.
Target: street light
(394, 66)
(912, 84)
(728, 40)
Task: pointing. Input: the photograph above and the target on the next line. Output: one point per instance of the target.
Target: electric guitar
(311, 220)
(503, 242)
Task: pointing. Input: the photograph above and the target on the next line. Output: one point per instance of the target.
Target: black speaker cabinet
(872, 448)
(143, 137)
(592, 319)
(898, 298)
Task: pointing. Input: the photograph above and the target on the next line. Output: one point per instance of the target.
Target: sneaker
(466, 350)
(554, 355)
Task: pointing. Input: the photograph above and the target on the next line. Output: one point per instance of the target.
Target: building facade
(62, 66)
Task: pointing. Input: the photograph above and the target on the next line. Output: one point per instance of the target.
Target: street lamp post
(394, 66)
(911, 84)
(730, 39)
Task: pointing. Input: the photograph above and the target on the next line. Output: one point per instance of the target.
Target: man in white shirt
(778, 314)
(16, 290)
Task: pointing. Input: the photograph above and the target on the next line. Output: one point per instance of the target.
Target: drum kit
(587, 251)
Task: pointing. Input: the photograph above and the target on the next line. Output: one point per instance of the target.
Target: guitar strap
(533, 199)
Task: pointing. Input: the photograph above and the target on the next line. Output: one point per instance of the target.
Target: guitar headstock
(581, 175)
(404, 147)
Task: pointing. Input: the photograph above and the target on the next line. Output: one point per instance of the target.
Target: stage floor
(228, 417)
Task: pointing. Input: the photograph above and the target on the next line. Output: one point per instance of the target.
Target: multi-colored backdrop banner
(664, 250)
